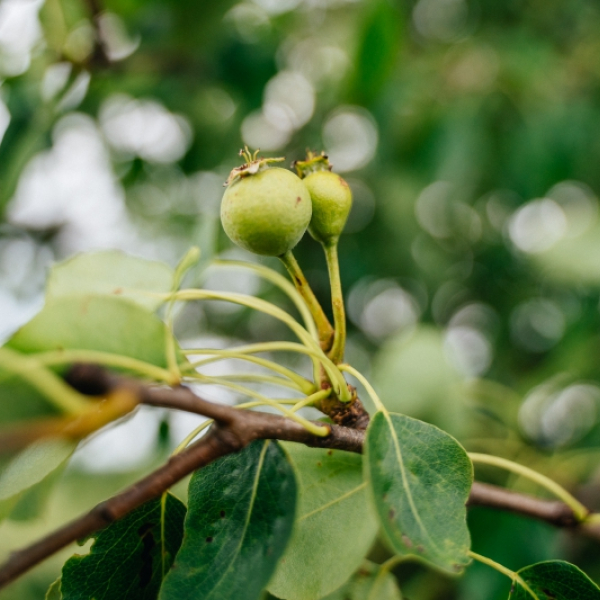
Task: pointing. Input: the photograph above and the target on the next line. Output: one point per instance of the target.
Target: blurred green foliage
(468, 130)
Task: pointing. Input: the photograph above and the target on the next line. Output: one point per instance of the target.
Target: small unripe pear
(265, 210)
(330, 195)
(331, 203)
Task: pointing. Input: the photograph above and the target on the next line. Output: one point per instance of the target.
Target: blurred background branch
(99, 56)
(467, 130)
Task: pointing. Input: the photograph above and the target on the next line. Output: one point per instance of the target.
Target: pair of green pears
(267, 209)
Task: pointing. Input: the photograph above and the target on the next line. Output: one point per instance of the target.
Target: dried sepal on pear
(265, 209)
(330, 195)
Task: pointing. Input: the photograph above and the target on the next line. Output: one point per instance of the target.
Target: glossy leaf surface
(111, 273)
(335, 527)
(555, 580)
(420, 478)
(130, 557)
(240, 517)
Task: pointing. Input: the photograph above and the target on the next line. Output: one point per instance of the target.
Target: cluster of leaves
(296, 521)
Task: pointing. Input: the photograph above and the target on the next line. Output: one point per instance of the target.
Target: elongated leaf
(113, 273)
(335, 527)
(420, 478)
(368, 583)
(241, 513)
(555, 580)
(32, 470)
(100, 323)
(130, 557)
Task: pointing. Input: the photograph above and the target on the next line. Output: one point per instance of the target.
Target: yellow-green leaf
(335, 527)
(111, 273)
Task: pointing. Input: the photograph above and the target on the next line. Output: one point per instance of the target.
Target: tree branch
(233, 430)
(553, 512)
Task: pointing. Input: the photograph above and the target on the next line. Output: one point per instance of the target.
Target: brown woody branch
(233, 430)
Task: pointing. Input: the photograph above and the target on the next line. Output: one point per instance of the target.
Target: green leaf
(130, 557)
(20, 399)
(42, 379)
(420, 478)
(370, 582)
(240, 518)
(555, 580)
(101, 323)
(110, 273)
(335, 527)
(33, 471)
(54, 592)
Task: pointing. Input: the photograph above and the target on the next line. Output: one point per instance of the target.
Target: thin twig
(209, 448)
(233, 430)
(553, 512)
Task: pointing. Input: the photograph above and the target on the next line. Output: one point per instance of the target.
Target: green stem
(303, 384)
(59, 357)
(188, 438)
(251, 302)
(579, 510)
(64, 397)
(255, 403)
(282, 283)
(190, 258)
(324, 327)
(515, 577)
(252, 378)
(170, 347)
(365, 383)
(592, 519)
(274, 347)
(321, 431)
(337, 303)
(337, 380)
(267, 347)
(312, 399)
(384, 569)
